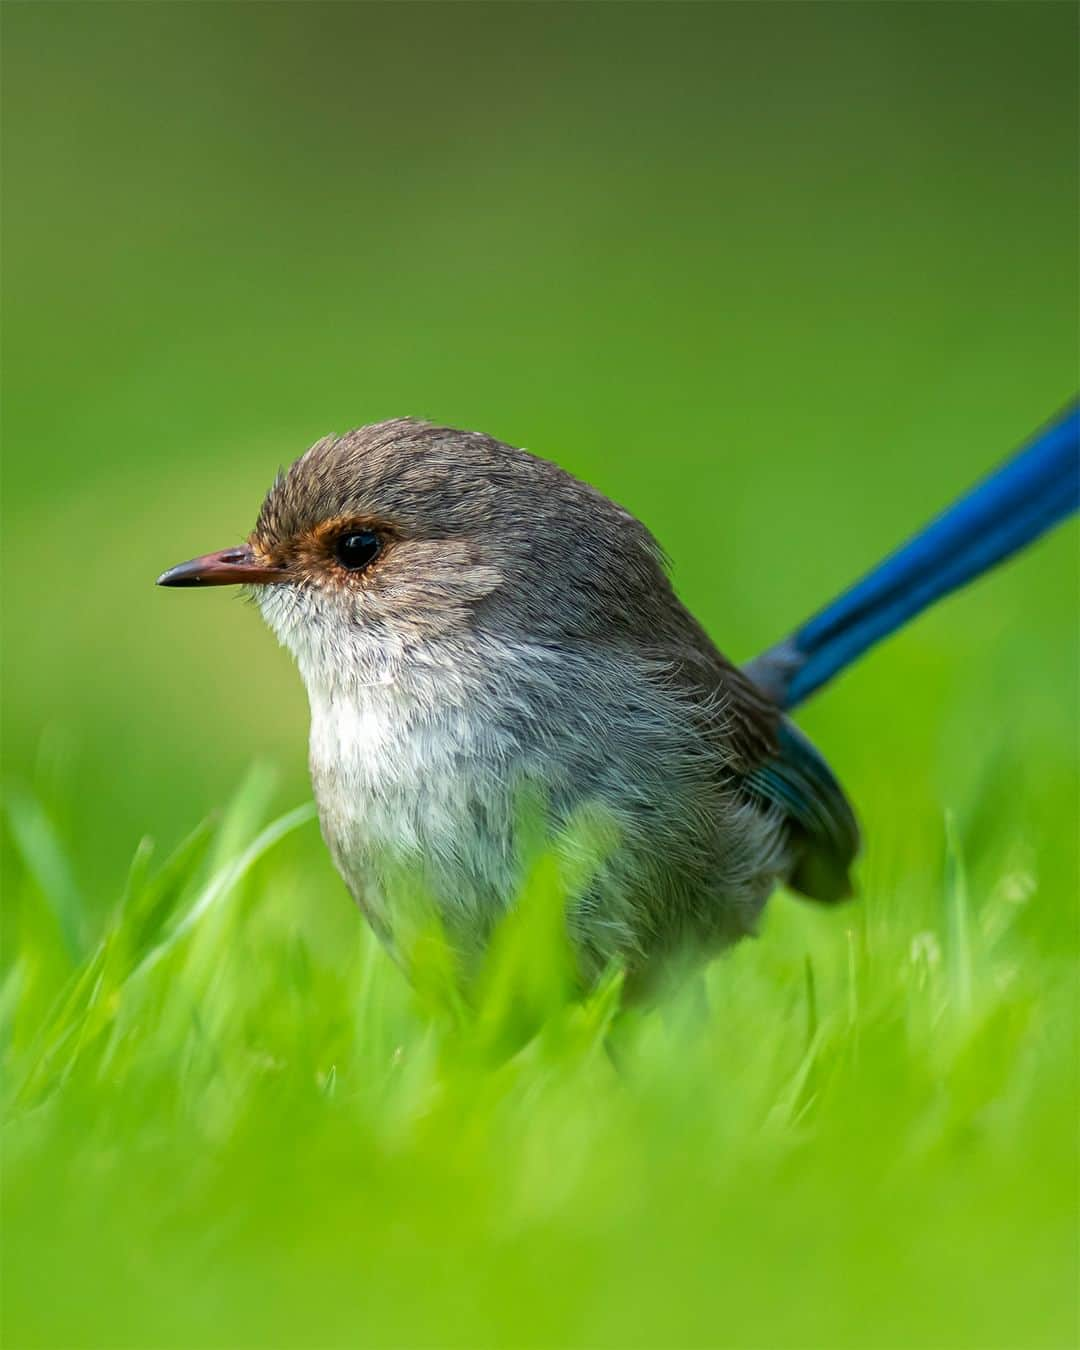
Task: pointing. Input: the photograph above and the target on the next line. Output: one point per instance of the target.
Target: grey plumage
(517, 630)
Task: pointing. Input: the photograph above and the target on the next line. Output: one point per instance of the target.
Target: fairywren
(471, 621)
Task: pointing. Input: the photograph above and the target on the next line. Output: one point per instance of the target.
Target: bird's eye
(354, 551)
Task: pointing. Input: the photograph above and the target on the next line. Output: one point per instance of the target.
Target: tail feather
(1022, 499)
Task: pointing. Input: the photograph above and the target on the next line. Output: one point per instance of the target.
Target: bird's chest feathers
(398, 773)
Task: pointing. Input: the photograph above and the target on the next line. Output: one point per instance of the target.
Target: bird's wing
(797, 779)
(772, 762)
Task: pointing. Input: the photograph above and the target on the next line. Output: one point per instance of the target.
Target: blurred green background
(782, 279)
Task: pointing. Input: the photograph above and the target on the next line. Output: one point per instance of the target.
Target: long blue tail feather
(1032, 491)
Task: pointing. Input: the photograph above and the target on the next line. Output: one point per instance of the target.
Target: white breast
(368, 758)
(407, 776)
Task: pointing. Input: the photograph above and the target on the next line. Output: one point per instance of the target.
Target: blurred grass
(224, 1131)
(783, 279)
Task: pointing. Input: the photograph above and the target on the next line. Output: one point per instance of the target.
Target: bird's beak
(231, 567)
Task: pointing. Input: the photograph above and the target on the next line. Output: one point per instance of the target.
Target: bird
(476, 627)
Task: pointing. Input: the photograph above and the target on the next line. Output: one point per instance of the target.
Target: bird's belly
(419, 801)
(411, 807)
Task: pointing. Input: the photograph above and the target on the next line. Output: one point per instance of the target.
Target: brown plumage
(512, 628)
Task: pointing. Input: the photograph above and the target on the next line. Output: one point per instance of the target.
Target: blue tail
(1034, 490)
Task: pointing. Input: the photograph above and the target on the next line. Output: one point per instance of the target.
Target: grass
(229, 1128)
(783, 283)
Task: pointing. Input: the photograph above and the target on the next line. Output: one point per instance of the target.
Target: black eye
(354, 551)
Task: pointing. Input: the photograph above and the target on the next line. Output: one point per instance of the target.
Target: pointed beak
(231, 567)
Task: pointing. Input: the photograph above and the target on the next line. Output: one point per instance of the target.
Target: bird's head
(405, 532)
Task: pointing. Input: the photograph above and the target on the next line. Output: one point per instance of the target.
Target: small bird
(472, 622)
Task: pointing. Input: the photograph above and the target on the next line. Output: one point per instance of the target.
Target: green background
(782, 279)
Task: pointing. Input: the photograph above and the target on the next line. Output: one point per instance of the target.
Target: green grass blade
(958, 949)
(42, 854)
(225, 878)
